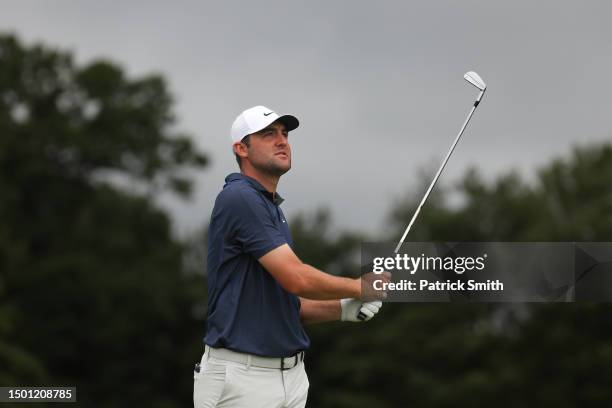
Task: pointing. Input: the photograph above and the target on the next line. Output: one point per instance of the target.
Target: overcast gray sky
(377, 85)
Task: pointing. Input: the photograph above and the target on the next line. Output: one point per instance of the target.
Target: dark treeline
(92, 291)
(96, 292)
(478, 355)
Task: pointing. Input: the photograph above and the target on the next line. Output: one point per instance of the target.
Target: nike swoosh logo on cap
(267, 114)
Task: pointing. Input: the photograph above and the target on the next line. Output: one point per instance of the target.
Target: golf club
(474, 79)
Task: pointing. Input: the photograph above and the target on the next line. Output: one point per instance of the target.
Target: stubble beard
(267, 165)
(274, 169)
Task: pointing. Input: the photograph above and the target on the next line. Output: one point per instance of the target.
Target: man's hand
(368, 291)
(352, 307)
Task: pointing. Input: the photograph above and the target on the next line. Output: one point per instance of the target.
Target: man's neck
(268, 181)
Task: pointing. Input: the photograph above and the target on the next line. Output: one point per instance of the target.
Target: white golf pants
(221, 383)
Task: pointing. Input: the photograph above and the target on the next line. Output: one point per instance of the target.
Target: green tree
(481, 355)
(91, 285)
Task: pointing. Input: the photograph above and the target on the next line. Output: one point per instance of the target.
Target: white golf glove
(351, 308)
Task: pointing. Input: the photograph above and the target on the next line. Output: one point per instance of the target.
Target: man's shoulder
(237, 190)
(238, 195)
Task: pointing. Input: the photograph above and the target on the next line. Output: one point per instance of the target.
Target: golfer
(260, 294)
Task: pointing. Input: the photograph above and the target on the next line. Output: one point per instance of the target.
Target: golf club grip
(361, 316)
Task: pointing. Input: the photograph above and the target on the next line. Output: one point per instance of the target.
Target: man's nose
(281, 140)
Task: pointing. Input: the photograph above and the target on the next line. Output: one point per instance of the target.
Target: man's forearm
(317, 285)
(319, 311)
(306, 281)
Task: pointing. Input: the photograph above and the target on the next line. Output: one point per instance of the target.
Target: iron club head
(475, 79)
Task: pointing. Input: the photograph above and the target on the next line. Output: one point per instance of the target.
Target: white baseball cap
(256, 118)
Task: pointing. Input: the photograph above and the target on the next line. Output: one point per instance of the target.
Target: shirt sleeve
(254, 227)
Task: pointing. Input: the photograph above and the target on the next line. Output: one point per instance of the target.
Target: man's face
(269, 150)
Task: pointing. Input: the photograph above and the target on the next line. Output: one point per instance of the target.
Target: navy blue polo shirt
(248, 311)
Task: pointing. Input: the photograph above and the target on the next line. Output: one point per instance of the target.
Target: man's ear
(241, 150)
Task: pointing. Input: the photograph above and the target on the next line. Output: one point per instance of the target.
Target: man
(259, 292)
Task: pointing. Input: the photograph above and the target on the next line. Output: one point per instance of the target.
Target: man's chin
(280, 170)
(276, 169)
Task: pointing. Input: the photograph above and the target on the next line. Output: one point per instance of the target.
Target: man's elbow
(290, 276)
(297, 286)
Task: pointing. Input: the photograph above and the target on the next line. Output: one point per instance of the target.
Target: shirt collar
(274, 197)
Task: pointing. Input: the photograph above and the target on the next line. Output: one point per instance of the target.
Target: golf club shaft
(450, 151)
(475, 80)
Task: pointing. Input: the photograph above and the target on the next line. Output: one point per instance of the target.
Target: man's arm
(319, 311)
(307, 282)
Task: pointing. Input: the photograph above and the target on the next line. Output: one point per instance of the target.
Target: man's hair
(246, 141)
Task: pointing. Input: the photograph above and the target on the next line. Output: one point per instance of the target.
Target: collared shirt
(248, 311)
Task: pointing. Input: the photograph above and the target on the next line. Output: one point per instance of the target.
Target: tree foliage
(479, 355)
(92, 292)
(95, 292)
